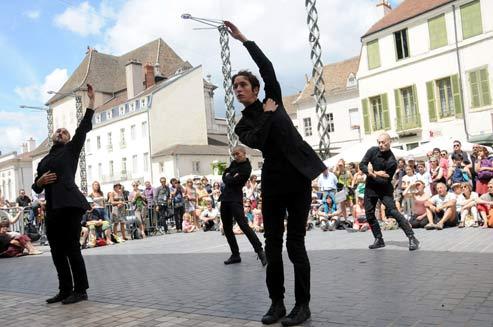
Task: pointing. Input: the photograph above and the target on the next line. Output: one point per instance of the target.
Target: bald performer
(379, 187)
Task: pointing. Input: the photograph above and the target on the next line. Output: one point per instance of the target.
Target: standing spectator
(437, 175)
(216, 193)
(409, 179)
(97, 197)
(441, 208)
(484, 170)
(250, 192)
(176, 193)
(411, 162)
(118, 210)
(202, 196)
(344, 178)
(419, 218)
(424, 175)
(397, 182)
(190, 196)
(467, 207)
(485, 206)
(358, 183)
(458, 173)
(327, 182)
(458, 150)
(139, 202)
(444, 162)
(256, 190)
(205, 183)
(149, 194)
(472, 165)
(162, 201)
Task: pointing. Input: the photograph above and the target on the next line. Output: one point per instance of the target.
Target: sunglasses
(456, 145)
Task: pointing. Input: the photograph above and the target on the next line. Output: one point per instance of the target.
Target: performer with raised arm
(379, 187)
(290, 165)
(65, 206)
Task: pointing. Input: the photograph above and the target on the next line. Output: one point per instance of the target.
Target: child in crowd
(360, 223)
(409, 179)
(187, 225)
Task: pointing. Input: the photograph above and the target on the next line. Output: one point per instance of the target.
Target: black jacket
(380, 161)
(233, 183)
(62, 160)
(288, 160)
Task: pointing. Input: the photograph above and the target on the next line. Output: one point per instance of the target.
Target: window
(471, 19)
(88, 146)
(406, 107)
(122, 138)
(122, 111)
(143, 102)
(110, 143)
(411, 146)
(111, 168)
(137, 104)
(132, 107)
(445, 98)
(98, 142)
(100, 170)
(480, 88)
(98, 118)
(108, 114)
(373, 54)
(351, 80)
(89, 173)
(144, 129)
(408, 103)
(377, 113)
(124, 166)
(134, 164)
(196, 167)
(330, 120)
(104, 116)
(354, 118)
(307, 123)
(127, 108)
(161, 167)
(146, 162)
(437, 31)
(132, 132)
(401, 44)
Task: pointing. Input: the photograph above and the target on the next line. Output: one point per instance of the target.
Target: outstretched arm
(86, 123)
(272, 87)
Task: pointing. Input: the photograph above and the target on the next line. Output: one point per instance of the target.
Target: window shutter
(438, 32)
(366, 116)
(417, 118)
(474, 84)
(385, 110)
(485, 87)
(398, 112)
(430, 90)
(471, 19)
(456, 94)
(373, 54)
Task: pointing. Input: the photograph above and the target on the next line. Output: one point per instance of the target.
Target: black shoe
(233, 259)
(276, 311)
(75, 297)
(261, 256)
(413, 243)
(299, 314)
(379, 243)
(58, 298)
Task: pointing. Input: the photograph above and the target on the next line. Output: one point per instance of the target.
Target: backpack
(458, 176)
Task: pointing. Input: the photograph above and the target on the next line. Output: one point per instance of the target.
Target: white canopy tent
(441, 142)
(355, 153)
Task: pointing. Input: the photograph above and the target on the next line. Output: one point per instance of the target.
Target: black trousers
(390, 209)
(178, 213)
(230, 210)
(274, 208)
(63, 231)
(163, 211)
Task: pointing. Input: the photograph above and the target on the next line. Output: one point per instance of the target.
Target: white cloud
(33, 14)
(39, 92)
(83, 19)
(17, 127)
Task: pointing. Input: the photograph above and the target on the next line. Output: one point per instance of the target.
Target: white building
(15, 174)
(343, 106)
(425, 71)
(144, 112)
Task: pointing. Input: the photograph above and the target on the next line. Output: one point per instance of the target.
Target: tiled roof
(107, 73)
(289, 105)
(335, 78)
(407, 10)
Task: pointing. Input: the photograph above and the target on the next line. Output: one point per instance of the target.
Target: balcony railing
(408, 122)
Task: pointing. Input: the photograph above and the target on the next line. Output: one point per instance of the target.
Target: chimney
(386, 6)
(24, 147)
(31, 144)
(149, 75)
(134, 77)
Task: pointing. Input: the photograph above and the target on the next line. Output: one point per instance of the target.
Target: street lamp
(49, 116)
(226, 69)
(79, 114)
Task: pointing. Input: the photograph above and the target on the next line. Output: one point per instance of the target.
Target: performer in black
(379, 187)
(234, 178)
(65, 206)
(290, 165)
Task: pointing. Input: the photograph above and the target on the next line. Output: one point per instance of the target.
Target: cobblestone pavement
(180, 280)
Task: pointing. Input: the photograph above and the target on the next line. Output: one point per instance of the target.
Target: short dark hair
(457, 156)
(4, 223)
(251, 78)
(457, 141)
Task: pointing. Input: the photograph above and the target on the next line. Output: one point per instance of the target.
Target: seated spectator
(359, 215)
(94, 227)
(408, 179)
(423, 175)
(258, 220)
(458, 172)
(209, 216)
(485, 206)
(313, 213)
(441, 209)
(467, 210)
(187, 225)
(484, 170)
(416, 191)
(444, 162)
(437, 175)
(13, 244)
(328, 213)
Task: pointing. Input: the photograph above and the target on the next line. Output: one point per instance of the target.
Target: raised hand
(234, 31)
(270, 105)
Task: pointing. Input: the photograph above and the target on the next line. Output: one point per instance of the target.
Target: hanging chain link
(82, 157)
(49, 117)
(317, 77)
(228, 87)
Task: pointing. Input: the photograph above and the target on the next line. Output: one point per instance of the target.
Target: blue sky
(43, 41)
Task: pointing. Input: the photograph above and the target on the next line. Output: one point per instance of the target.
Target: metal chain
(228, 87)
(317, 77)
(82, 157)
(49, 116)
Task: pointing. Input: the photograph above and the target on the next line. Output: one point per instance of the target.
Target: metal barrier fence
(30, 220)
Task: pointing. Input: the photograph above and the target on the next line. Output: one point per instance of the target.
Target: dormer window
(108, 114)
(132, 107)
(143, 102)
(98, 118)
(122, 111)
(351, 80)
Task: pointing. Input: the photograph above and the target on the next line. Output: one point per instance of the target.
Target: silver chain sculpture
(82, 158)
(319, 86)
